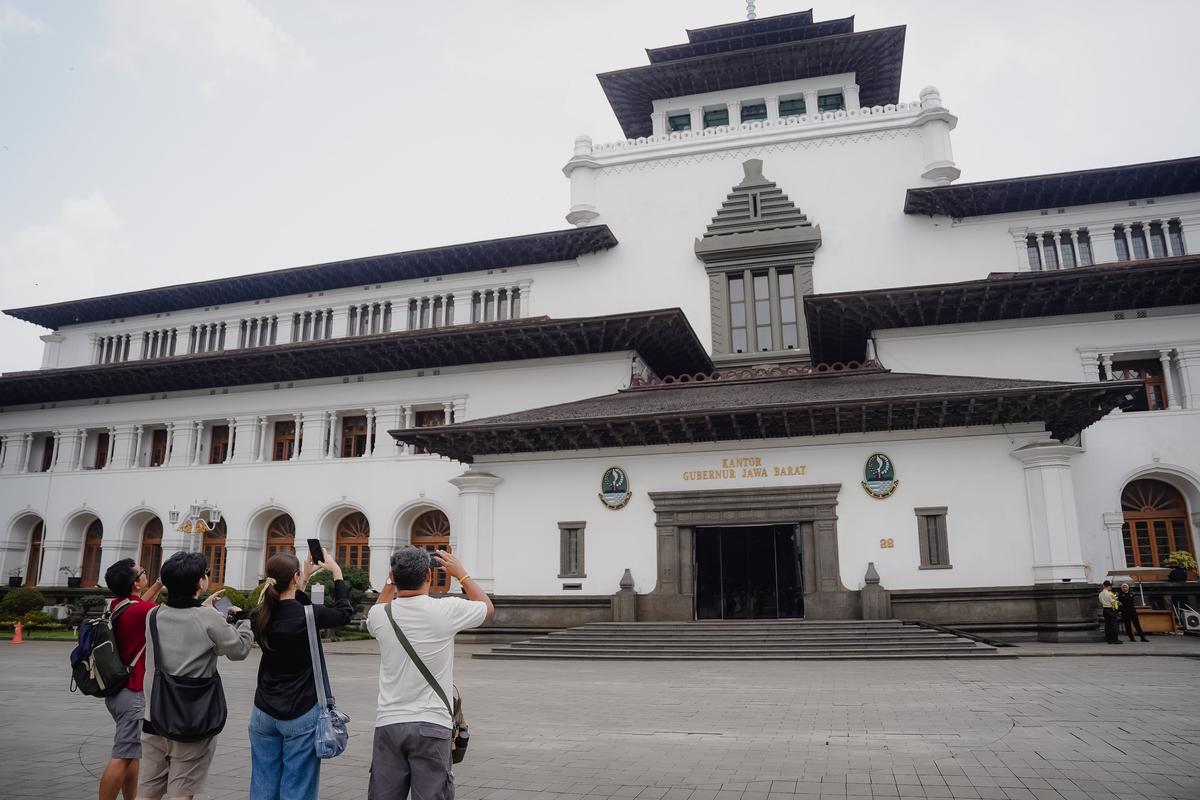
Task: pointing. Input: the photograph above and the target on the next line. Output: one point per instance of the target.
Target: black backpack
(96, 666)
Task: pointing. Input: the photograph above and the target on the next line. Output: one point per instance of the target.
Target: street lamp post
(200, 518)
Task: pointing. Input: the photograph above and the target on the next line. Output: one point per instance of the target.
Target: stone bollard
(624, 603)
(876, 602)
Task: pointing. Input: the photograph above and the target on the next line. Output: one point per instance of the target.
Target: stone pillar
(80, 449)
(1050, 495)
(696, 113)
(876, 601)
(57, 448)
(1164, 357)
(94, 339)
(51, 350)
(936, 123)
(232, 423)
(1020, 237)
(850, 97)
(1106, 361)
(1074, 245)
(314, 436)
(26, 446)
(1113, 522)
(264, 436)
(242, 450)
(447, 412)
(811, 103)
(1090, 361)
(734, 108)
(332, 446)
(772, 102)
(581, 170)
(299, 429)
(198, 442)
(476, 524)
(135, 459)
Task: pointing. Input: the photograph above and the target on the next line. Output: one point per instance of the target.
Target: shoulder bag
(460, 735)
(184, 709)
(331, 734)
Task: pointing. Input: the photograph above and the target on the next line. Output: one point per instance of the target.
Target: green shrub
(38, 618)
(1182, 558)
(237, 598)
(358, 580)
(20, 601)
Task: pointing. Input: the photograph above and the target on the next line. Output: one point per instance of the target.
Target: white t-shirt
(430, 624)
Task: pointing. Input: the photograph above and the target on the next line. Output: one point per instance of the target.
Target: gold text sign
(744, 467)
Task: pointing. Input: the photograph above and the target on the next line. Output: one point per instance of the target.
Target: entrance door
(748, 573)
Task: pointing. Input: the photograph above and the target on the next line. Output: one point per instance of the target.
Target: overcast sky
(149, 142)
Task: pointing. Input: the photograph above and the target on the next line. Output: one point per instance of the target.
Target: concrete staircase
(776, 640)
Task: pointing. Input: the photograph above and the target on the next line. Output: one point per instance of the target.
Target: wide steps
(745, 641)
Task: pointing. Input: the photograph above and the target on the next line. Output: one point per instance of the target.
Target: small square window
(716, 117)
(754, 112)
(831, 102)
(679, 122)
(792, 107)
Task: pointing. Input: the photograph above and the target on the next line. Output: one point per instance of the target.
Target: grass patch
(57, 636)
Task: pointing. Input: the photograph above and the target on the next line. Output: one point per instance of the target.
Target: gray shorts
(127, 708)
(411, 755)
(174, 769)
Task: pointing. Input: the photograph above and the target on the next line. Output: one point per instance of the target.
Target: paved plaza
(1088, 727)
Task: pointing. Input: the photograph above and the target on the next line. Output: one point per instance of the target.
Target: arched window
(281, 537)
(214, 550)
(431, 531)
(352, 547)
(33, 567)
(90, 571)
(151, 552)
(1156, 523)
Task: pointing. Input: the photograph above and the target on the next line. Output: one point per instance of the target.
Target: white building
(771, 283)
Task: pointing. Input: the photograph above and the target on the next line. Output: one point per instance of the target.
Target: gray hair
(410, 565)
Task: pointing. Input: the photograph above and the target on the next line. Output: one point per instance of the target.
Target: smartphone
(224, 605)
(316, 551)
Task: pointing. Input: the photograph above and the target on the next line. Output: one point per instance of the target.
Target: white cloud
(14, 21)
(209, 36)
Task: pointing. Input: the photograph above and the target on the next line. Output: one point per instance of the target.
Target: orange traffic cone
(17, 638)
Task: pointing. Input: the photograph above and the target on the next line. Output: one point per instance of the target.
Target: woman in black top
(284, 763)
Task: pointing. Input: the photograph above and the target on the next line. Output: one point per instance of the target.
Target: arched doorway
(431, 531)
(33, 565)
(352, 543)
(1156, 523)
(150, 553)
(281, 537)
(213, 548)
(90, 569)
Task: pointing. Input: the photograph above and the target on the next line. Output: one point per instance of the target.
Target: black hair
(282, 567)
(1108, 583)
(410, 567)
(120, 577)
(181, 574)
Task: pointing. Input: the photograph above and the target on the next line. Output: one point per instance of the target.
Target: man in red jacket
(134, 598)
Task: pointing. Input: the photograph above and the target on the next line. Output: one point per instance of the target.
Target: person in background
(135, 595)
(1108, 606)
(191, 635)
(411, 749)
(1127, 609)
(283, 758)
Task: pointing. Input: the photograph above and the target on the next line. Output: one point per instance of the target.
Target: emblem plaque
(614, 488)
(880, 476)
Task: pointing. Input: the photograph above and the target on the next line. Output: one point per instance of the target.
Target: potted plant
(14, 578)
(1182, 558)
(73, 579)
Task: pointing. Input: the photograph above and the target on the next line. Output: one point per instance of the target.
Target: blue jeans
(283, 763)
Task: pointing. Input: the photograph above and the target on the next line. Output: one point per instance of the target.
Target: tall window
(1137, 240)
(931, 535)
(774, 305)
(92, 539)
(158, 447)
(150, 554)
(1149, 372)
(218, 445)
(1051, 252)
(213, 547)
(100, 460)
(285, 441)
(737, 314)
(431, 531)
(281, 536)
(354, 436)
(1085, 249)
(1122, 243)
(570, 550)
(47, 453)
(1156, 523)
(33, 565)
(792, 107)
(1175, 234)
(352, 546)
(1068, 251)
(1035, 252)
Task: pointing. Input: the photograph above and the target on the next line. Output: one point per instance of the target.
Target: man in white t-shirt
(413, 725)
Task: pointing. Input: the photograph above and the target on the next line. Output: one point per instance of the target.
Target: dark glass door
(748, 573)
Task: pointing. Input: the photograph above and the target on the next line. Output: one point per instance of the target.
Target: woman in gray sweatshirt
(190, 636)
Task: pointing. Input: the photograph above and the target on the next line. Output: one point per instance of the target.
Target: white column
(476, 524)
(242, 450)
(80, 449)
(95, 342)
(772, 108)
(1113, 522)
(340, 315)
(1104, 248)
(1189, 376)
(850, 96)
(1050, 496)
(232, 423)
(243, 562)
(112, 448)
(56, 449)
(265, 441)
(198, 442)
(284, 335)
(460, 409)
(1056, 243)
(372, 434)
(447, 411)
(314, 436)
(26, 446)
(734, 107)
(697, 115)
(299, 428)
(1020, 238)
(1090, 361)
(135, 458)
(332, 445)
(56, 554)
(1164, 358)
(409, 417)
(811, 105)
(182, 443)
(389, 419)
(658, 123)
(1106, 361)
(12, 454)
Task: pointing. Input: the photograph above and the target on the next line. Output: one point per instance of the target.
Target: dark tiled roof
(1059, 190)
(663, 338)
(839, 324)
(749, 27)
(865, 401)
(875, 56)
(745, 41)
(513, 251)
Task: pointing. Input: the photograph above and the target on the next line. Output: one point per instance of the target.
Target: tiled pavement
(1086, 727)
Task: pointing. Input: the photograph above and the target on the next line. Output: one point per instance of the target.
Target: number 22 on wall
(885, 544)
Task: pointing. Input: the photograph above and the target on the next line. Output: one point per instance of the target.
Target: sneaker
(1144, 639)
